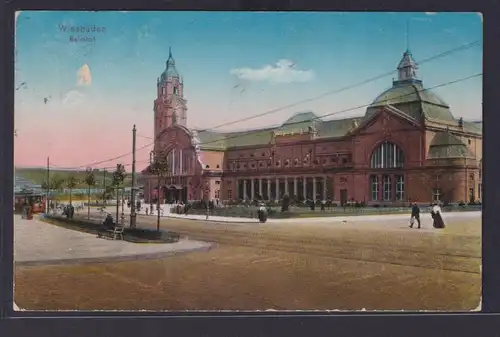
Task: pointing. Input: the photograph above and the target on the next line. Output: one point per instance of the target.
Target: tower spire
(171, 71)
(408, 35)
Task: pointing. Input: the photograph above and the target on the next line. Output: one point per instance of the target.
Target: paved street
(288, 265)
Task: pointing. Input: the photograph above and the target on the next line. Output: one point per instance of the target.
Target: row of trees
(71, 182)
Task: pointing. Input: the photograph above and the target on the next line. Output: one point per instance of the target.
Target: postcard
(248, 161)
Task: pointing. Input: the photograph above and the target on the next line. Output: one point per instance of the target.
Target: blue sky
(328, 51)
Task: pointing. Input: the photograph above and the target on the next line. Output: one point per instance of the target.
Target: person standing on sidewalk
(415, 215)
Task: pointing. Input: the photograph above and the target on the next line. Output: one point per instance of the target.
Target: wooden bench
(114, 233)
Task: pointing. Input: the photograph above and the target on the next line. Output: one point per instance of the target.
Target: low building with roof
(407, 147)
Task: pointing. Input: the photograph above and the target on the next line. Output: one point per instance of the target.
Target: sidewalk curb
(250, 221)
(105, 259)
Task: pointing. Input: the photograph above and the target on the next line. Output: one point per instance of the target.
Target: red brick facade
(345, 166)
(384, 157)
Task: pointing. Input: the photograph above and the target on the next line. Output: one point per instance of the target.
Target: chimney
(461, 123)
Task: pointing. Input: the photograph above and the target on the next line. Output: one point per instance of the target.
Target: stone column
(252, 189)
(245, 189)
(260, 187)
(295, 189)
(181, 159)
(304, 187)
(236, 195)
(314, 189)
(173, 162)
(269, 189)
(277, 197)
(324, 188)
(286, 186)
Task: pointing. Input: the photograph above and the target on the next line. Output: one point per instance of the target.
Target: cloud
(84, 75)
(73, 98)
(284, 71)
(430, 13)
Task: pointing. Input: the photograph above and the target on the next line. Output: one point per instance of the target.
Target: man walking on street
(415, 215)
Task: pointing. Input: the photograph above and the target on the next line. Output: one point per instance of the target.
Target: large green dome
(408, 92)
(414, 100)
(408, 95)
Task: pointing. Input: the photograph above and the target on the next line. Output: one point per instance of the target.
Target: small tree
(71, 183)
(108, 193)
(56, 183)
(90, 181)
(117, 181)
(45, 186)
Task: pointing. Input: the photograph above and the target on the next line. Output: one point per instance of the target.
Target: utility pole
(133, 216)
(104, 193)
(48, 187)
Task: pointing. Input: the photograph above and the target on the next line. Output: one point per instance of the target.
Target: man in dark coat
(415, 215)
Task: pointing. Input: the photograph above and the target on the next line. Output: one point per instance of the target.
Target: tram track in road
(338, 247)
(385, 248)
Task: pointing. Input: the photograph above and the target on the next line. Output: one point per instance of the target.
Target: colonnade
(312, 188)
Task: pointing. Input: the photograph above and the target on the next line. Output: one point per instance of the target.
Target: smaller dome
(445, 145)
(302, 121)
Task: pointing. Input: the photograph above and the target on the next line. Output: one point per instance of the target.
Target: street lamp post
(89, 173)
(207, 193)
(123, 205)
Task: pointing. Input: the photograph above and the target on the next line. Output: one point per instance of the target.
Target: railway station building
(408, 146)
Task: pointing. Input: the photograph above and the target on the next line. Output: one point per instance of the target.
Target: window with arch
(387, 155)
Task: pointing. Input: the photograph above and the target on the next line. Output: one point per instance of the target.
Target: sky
(77, 101)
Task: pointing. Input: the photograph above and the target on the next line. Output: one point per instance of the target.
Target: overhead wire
(268, 112)
(381, 102)
(328, 114)
(336, 91)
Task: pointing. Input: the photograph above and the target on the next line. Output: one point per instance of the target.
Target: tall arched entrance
(387, 179)
(175, 193)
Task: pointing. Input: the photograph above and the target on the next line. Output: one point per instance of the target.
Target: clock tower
(169, 106)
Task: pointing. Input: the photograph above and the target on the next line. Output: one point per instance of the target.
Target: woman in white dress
(437, 217)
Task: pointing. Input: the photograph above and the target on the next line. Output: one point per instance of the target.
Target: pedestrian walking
(437, 218)
(415, 215)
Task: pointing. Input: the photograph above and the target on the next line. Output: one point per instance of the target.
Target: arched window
(387, 155)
